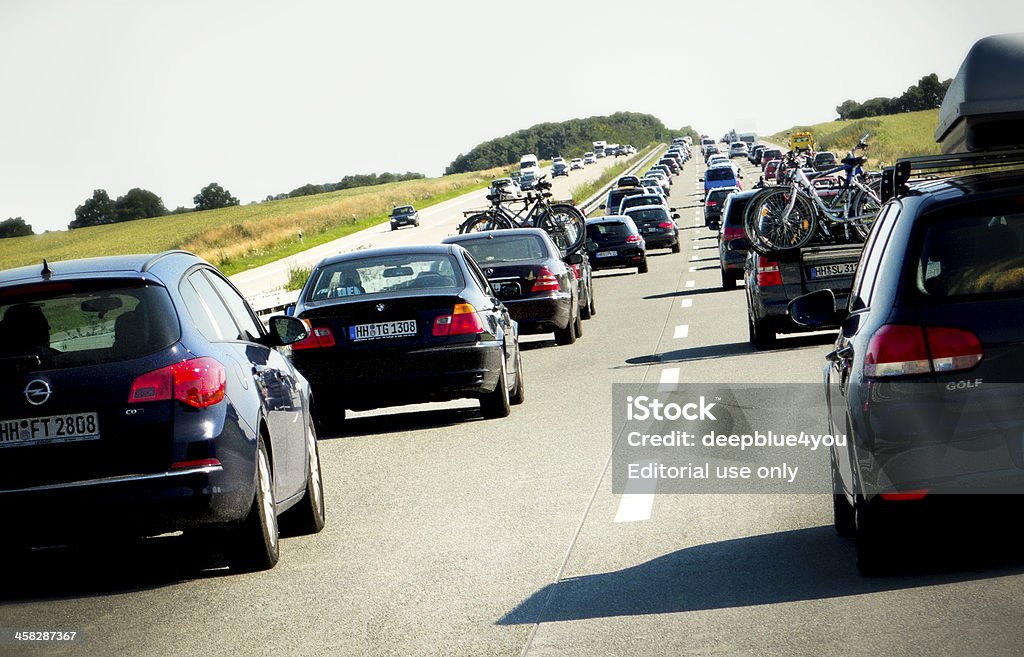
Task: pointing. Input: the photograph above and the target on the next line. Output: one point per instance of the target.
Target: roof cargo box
(984, 106)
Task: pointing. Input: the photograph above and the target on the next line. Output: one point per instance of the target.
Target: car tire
(728, 280)
(577, 326)
(843, 518)
(566, 335)
(676, 248)
(869, 534)
(585, 308)
(255, 544)
(593, 304)
(642, 267)
(497, 404)
(760, 334)
(519, 392)
(308, 516)
(394, 227)
(417, 224)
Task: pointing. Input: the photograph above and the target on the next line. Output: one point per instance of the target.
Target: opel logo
(37, 392)
(488, 272)
(380, 307)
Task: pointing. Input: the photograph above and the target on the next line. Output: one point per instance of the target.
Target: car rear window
(639, 215)
(635, 201)
(70, 324)
(720, 173)
(972, 256)
(507, 248)
(385, 275)
(608, 231)
(719, 195)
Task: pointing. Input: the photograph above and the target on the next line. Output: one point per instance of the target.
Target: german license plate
(382, 330)
(828, 271)
(50, 429)
(607, 254)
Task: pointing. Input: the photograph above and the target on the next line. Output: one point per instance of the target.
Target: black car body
(405, 325)
(656, 225)
(142, 396)
(824, 160)
(732, 238)
(404, 215)
(528, 273)
(714, 203)
(754, 156)
(614, 242)
(559, 169)
(613, 202)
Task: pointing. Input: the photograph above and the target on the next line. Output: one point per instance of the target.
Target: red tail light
(906, 495)
(899, 350)
(712, 204)
(576, 271)
(463, 320)
(200, 463)
(666, 224)
(199, 382)
(633, 239)
(732, 233)
(546, 281)
(768, 272)
(319, 337)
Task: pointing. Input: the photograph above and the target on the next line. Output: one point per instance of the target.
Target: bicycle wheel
(765, 227)
(566, 225)
(483, 221)
(866, 205)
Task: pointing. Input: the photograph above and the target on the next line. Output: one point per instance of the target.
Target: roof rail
(896, 177)
(149, 264)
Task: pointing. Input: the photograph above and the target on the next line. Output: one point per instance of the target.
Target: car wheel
(519, 392)
(593, 304)
(417, 224)
(566, 335)
(255, 544)
(497, 404)
(642, 267)
(728, 280)
(870, 560)
(676, 248)
(307, 517)
(585, 308)
(842, 511)
(394, 227)
(578, 325)
(759, 334)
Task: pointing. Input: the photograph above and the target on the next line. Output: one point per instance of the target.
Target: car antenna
(47, 272)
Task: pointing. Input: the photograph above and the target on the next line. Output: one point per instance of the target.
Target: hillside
(892, 136)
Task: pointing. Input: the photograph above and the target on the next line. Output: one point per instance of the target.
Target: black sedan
(141, 396)
(614, 242)
(527, 272)
(406, 325)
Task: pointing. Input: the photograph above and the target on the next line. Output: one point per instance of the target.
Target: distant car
(738, 149)
(404, 215)
(715, 203)
(406, 325)
(142, 396)
(641, 199)
(527, 273)
(559, 169)
(628, 181)
(771, 169)
(824, 160)
(660, 178)
(724, 176)
(557, 159)
(732, 238)
(615, 196)
(656, 225)
(716, 159)
(769, 154)
(505, 188)
(664, 169)
(754, 156)
(589, 158)
(672, 163)
(576, 163)
(614, 242)
(528, 180)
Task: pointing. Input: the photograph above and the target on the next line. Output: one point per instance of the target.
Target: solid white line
(686, 303)
(690, 283)
(682, 331)
(635, 507)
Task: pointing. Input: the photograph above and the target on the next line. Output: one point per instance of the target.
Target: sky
(263, 97)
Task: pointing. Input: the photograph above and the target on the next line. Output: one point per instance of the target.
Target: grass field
(241, 237)
(892, 137)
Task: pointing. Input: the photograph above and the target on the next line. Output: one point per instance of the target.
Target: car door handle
(843, 353)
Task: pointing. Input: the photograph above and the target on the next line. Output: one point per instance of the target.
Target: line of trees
(348, 182)
(14, 227)
(567, 138)
(926, 94)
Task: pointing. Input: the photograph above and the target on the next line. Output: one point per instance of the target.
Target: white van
(529, 162)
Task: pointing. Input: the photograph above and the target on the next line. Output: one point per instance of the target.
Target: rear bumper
(627, 257)
(660, 240)
(381, 379)
(541, 314)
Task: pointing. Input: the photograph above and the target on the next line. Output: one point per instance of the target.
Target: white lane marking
(694, 257)
(686, 303)
(693, 269)
(681, 331)
(690, 283)
(669, 379)
(634, 507)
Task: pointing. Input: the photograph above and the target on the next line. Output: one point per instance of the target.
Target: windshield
(720, 173)
(405, 209)
(509, 248)
(85, 323)
(972, 256)
(385, 275)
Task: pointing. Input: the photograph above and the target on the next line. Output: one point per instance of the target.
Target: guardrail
(595, 200)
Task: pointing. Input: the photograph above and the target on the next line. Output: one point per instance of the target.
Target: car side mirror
(285, 330)
(574, 259)
(813, 310)
(675, 215)
(700, 180)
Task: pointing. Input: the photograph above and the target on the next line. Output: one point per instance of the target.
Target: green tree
(139, 203)
(14, 227)
(96, 211)
(213, 196)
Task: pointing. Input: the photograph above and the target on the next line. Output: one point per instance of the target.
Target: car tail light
(712, 204)
(463, 320)
(666, 224)
(200, 463)
(546, 281)
(576, 271)
(906, 495)
(319, 337)
(199, 382)
(633, 239)
(768, 273)
(732, 233)
(900, 350)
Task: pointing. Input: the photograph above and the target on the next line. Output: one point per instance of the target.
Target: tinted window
(405, 209)
(84, 323)
(236, 304)
(608, 231)
(224, 327)
(720, 173)
(970, 256)
(385, 275)
(508, 248)
(864, 279)
(639, 215)
(635, 201)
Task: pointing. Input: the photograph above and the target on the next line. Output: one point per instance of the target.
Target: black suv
(404, 215)
(142, 396)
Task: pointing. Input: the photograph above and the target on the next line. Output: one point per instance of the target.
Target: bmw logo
(380, 307)
(37, 392)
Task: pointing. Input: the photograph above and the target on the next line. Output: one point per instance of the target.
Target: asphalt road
(451, 535)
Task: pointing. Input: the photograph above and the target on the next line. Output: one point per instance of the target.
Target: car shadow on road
(608, 274)
(729, 349)
(788, 566)
(401, 421)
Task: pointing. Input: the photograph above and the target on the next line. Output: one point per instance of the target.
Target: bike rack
(895, 179)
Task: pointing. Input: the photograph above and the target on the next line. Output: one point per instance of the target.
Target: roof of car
(93, 267)
(611, 218)
(493, 234)
(653, 206)
(974, 186)
(417, 249)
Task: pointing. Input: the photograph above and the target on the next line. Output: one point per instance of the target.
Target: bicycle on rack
(562, 221)
(788, 216)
